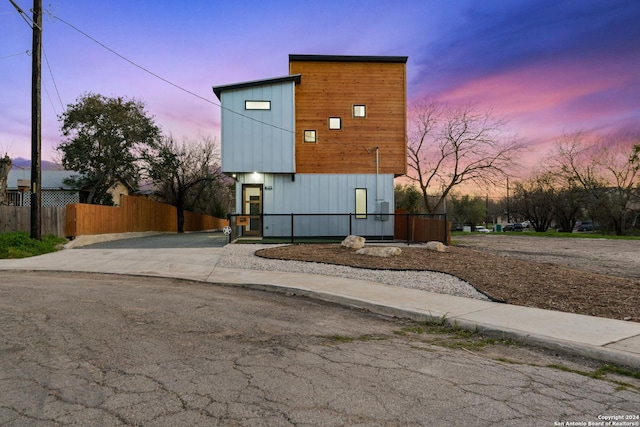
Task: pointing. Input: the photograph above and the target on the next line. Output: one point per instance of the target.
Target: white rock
(436, 246)
(385, 251)
(353, 242)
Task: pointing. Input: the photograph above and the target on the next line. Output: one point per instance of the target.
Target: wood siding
(331, 89)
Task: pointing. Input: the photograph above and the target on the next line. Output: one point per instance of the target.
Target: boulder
(353, 242)
(384, 251)
(436, 246)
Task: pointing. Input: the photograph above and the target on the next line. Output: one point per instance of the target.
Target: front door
(252, 207)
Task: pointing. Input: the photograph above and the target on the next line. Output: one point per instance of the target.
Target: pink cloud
(544, 100)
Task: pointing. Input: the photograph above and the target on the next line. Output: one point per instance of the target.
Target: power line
(26, 52)
(24, 16)
(165, 80)
(54, 81)
(50, 101)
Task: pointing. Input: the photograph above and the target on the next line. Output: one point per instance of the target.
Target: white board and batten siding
(259, 140)
(322, 194)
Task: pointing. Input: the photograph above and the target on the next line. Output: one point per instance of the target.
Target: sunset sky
(548, 67)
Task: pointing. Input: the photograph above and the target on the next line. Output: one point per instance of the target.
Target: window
(361, 203)
(335, 123)
(257, 105)
(359, 111)
(309, 136)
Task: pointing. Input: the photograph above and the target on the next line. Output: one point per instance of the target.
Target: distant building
(54, 191)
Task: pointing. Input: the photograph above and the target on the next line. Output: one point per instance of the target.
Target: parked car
(481, 229)
(518, 226)
(508, 227)
(588, 226)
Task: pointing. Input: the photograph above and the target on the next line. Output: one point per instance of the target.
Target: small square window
(257, 105)
(335, 123)
(309, 136)
(359, 111)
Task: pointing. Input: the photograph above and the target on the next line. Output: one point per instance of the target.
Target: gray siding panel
(258, 140)
(326, 194)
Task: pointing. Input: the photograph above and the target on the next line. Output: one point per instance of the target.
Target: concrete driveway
(106, 350)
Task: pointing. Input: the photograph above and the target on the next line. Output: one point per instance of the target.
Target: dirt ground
(595, 277)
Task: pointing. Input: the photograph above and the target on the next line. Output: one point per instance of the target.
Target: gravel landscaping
(592, 277)
(243, 256)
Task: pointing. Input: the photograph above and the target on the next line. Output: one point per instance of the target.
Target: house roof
(347, 58)
(51, 180)
(292, 78)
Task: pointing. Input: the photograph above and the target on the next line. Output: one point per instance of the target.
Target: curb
(90, 239)
(596, 353)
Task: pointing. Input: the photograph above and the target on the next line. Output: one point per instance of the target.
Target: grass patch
(20, 245)
(432, 326)
(601, 373)
(610, 369)
(451, 336)
(555, 234)
(339, 339)
(508, 361)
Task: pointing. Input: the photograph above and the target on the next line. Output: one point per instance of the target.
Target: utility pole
(508, 203)
(36, 122)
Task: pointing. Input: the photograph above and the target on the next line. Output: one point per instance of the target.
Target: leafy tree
(467, 210)
(104, 139)
(188, 176)
(450, 146)
(407, 197)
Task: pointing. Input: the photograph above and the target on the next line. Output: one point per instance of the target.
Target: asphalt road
(167, 240)
(106, 350)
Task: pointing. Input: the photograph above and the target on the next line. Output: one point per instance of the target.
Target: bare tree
(183, 172)
(5, 167)
(536, 198)
(607, 169)
(451, 146)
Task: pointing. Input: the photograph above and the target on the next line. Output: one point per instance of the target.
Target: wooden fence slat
(134, 214)
(416, 229)
(18, 218)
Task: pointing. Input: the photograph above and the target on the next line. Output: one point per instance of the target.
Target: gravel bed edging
(242, 256)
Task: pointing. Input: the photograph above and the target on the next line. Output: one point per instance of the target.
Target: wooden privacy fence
(134, 214)
(18, 218)
(198, 222)
(420, 228)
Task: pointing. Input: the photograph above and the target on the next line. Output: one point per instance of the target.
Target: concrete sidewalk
(608, 340)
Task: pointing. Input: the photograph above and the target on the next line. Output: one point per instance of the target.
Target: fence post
(292, 227)
(445, 231)
(407, 221)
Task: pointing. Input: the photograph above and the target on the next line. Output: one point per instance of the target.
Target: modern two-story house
(323, 143)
